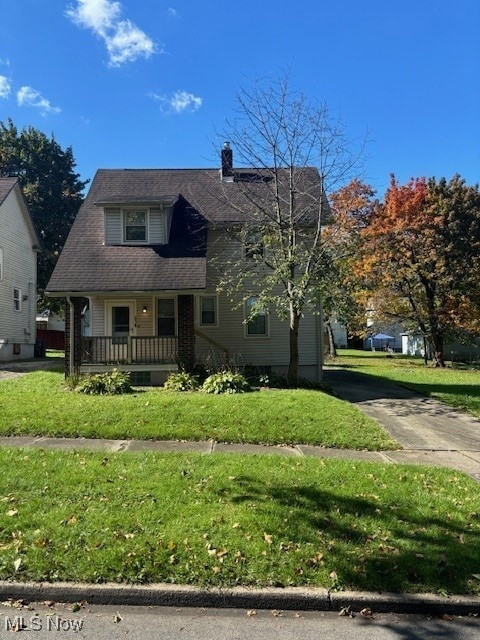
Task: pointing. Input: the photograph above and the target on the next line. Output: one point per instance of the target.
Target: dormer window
(139, 224)
(135, 226)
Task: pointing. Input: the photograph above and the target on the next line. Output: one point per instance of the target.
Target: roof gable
(12, 185)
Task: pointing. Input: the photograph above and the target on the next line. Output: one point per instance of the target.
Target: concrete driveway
(423, 426)
(20, 367)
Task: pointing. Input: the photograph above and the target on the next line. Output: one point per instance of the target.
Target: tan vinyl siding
(257, 350)
(97, 316)
(113, 226)
(19, 272)
(157, 226)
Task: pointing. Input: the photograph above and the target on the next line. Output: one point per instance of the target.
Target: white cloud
(5, 87)
(29, 97)
(128, 43)
(172, 12)
(178, 102)
(182, 100)
(5, 61)
(124, 41)
(98, 15)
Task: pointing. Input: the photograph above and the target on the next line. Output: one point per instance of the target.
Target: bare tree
(293, 153)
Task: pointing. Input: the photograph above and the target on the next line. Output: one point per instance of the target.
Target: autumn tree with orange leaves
(420, 258)
(343, 297)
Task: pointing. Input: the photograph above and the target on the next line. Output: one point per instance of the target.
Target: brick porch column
(186, 336)
(77, 336)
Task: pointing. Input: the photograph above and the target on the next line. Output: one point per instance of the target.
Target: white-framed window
(135, 225)
(1, 263)
(256, 318)
(17, 299)
(166, 317)
(253, 244)
(208, 311)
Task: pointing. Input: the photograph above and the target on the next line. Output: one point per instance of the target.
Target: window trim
(201, 297)
(17, 299)
(127, 210)
(253, 246)
(265, 315)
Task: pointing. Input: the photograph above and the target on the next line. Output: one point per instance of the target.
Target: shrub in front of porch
(112, 383)
(226, 382)
(181, 381)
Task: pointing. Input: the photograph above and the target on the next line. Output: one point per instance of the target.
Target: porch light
(144, 310)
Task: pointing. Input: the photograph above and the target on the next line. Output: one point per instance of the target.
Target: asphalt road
(42, 622)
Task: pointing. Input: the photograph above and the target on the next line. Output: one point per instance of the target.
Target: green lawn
(39, 404)
(237, 520)
(454, 386)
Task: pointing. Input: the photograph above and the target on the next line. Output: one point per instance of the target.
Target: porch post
(186, 336)
(73, 320)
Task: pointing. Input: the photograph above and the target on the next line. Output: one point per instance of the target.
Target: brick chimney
(227, 163)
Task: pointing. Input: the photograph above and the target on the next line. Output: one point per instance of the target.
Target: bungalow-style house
(19, 246)
(142, 252)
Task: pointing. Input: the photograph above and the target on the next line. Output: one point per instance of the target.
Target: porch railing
(106, 350)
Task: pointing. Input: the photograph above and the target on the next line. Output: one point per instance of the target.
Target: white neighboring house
(19, 245)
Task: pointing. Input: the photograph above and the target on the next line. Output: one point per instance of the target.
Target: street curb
(294, 598)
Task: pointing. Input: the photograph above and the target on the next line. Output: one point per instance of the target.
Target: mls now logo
(36, 623)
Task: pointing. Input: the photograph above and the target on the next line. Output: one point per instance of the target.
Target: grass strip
(39, 404)
(237, 520)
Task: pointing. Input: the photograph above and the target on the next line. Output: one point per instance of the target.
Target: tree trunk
(332, 349)
(437, 348)
(292, 376)
(436, 334)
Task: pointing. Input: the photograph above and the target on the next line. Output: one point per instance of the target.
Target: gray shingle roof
(201, 199)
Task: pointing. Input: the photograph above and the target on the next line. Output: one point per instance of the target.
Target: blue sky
(145, 83)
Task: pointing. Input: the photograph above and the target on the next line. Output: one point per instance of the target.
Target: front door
(121, 326)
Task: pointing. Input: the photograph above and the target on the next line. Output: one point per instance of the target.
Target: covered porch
(128, 342)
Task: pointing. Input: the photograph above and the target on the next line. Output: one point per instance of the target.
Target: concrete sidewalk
(466, 461)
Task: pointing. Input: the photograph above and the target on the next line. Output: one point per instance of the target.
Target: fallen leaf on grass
(268, 538)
